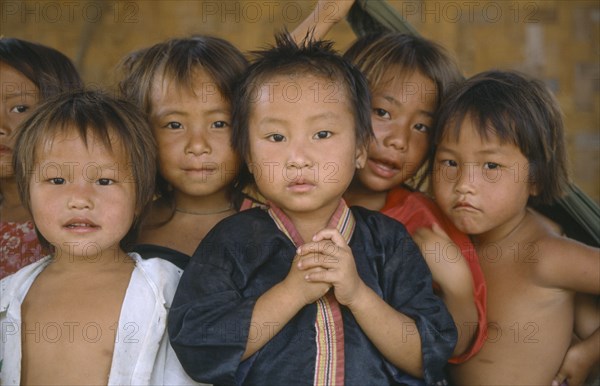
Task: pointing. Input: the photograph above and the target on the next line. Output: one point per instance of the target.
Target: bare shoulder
(562, 262)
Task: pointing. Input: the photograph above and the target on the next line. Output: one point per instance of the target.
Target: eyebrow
(396, 102)
(488, 151)
(313, 118)
(167, 112)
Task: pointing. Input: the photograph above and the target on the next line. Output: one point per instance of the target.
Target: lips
(200, 172)
(384, 167)
(204, 167)
(464, 205)
(300, 185)
(81, 225)
(5, 149)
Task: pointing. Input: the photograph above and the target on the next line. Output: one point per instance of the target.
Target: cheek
(168, 153)
(418, 146)
(440, 187)
(43, 209)
(227, 154)
(168, 141)
(373, 148)
(379, 130)
(259, 153)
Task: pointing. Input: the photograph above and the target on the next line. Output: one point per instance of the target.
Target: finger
(323, 276)
(559, 379)
(310, 262)
(325, 246)
(324, 260)
(330, 234)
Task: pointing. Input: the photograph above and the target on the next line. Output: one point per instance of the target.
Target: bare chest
(67, 330)
(526, 340)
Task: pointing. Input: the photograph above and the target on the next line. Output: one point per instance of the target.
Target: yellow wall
(557, 41)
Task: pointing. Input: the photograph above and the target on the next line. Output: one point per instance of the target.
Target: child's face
(18, 98)
(82, 197)
(303, 150)
(402, 115)
(481, 185)
(193, 130)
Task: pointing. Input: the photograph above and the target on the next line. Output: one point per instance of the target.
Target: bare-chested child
(89, 313)
(499, 147)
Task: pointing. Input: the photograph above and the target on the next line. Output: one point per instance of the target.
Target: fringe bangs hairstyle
(178, 60)
(50, 70)
(90, 114)
(383, 56)
(519, 110)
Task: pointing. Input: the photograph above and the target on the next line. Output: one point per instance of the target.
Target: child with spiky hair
(307, 291)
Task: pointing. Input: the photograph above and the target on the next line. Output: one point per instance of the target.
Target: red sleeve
(415, 210)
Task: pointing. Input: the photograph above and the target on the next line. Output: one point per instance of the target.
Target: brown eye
(381, 113)
(219, 125)
(421, 128)
(276, 138)
(20, 109)
(491, 165)
(323, 134)
(57, 181)
(174, 125)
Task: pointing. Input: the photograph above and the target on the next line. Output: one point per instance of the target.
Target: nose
(298, 156)
(5, 129)
(397, 136)
(81, 195)
(466, 179)
(197, 143)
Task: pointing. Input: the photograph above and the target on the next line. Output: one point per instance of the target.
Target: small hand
(448, 266)
(296, 282)
(575, 368)
(329, 251)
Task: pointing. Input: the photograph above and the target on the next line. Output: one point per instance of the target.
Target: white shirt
(142, 353)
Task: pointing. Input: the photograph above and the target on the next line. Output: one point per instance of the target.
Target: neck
(11, 208)
(70, 258)
(358, 195)
(9, 192)
(510, 230)
(218, 202)
(308, 224)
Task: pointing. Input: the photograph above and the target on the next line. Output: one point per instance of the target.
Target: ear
(534, 190)
(361, 157)
(532, 180)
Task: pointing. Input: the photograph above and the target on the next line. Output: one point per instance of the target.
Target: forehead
(15, 83)
(68, 142)
(165, 86)
(404, 86)
(301, 89)
(470, 131)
